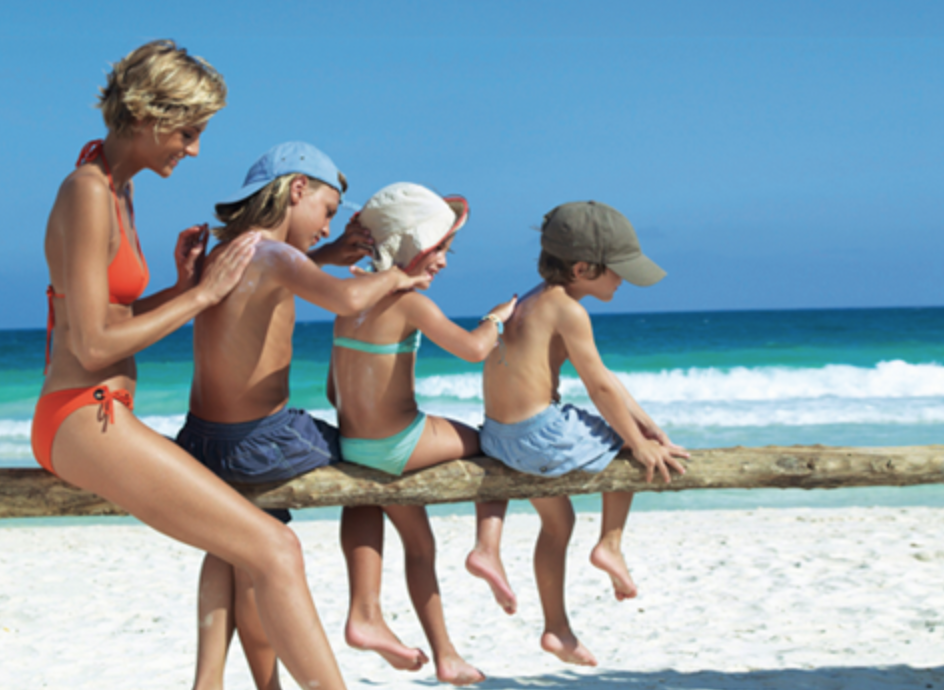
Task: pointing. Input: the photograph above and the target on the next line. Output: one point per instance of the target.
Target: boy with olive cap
(588, 249)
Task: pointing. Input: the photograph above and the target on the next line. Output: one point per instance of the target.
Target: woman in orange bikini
(156, 105)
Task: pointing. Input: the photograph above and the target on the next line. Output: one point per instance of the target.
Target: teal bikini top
(409, 344)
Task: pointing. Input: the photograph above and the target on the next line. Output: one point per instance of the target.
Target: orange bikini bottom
(53, 408)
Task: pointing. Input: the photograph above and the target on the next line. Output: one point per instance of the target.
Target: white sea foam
(893, 393)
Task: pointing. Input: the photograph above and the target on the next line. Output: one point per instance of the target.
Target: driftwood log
(36, 493)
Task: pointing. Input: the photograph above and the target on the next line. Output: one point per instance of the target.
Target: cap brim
(640, 270)
(244, 192)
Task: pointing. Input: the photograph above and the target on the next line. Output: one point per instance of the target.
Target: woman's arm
(472, 346)
(97, 343)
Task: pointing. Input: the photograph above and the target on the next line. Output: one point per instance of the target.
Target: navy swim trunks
(275, 448)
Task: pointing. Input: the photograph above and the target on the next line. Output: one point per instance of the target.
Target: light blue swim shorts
(389, 454)
(558, 440)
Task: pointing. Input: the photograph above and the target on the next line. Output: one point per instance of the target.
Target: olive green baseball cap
(597, 233)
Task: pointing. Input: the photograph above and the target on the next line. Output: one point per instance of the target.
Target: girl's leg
(419, 548)
(607, 555)
(550, 561)
(215, 622)
(157, 482)
(362, 530)
(484, 560)
(259, 653)
(443, 440)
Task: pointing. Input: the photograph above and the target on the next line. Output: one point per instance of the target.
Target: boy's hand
(353, 245)
(656, 434)
(189, 254)
(404, 282)
(654, 456)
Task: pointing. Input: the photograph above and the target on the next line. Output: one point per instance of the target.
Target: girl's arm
(85, 247)
(301, 276)
(576, 330)
(472, 346)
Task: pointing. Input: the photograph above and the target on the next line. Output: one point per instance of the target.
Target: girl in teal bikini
(371, 384)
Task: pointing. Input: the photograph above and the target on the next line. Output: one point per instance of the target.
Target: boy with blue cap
(239, 424)
(587, 250)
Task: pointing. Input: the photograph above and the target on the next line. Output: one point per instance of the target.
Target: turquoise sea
(858, 377)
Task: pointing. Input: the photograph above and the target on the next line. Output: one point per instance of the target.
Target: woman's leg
(259, 653)
(215, 622)
(420, 551)
(443, 440)
(362, 530)
(550, 561)
(157, 482)
(607, 555)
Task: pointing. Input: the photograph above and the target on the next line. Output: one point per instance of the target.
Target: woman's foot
(490, 569)
(377, 637)
(612, 563)
(567, 648)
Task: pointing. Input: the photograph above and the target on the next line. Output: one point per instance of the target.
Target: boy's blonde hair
(557, 271)
(264, 209)
(160, 82)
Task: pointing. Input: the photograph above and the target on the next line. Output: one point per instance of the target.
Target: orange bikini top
(127, 277)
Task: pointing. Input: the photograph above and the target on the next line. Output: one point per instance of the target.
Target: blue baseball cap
(285, 159)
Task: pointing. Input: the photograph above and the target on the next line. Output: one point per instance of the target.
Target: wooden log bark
(35, 493)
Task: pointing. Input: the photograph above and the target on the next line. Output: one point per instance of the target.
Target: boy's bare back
(522, 376)
(243, 345)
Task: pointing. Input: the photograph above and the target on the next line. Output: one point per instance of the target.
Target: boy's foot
(613, 564)
(456, 671)
(567, 648)
(492, 571)
(379, 638)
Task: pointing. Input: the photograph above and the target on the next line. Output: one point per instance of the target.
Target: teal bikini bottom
(389, 454)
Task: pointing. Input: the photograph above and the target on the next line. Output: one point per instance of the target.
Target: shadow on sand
(831, 678)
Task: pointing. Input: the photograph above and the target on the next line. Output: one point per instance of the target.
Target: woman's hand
(189, 255)
(227, 266)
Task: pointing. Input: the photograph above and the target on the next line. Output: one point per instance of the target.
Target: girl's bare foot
(490, 569)
(612, 563)
(377, 637)
(456, 671)
(567, 648)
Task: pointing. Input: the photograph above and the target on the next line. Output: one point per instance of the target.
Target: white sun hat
(407, 221)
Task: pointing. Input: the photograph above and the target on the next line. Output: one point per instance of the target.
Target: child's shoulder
(552, 303)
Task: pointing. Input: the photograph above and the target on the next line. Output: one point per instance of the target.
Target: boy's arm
(648, 427)
(472, 346)
(346, 297)
(353, 245)
(577, 332)
(330, 391)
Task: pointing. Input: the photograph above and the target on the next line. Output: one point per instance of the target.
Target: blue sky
(770, 154)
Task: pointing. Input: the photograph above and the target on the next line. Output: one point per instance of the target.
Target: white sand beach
(772, 599)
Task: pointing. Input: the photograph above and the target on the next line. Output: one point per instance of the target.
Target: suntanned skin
(374, 395)
(128, 463)
(549, 327)
(242, 354)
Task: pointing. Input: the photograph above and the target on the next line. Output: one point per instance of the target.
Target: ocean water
(857, 377)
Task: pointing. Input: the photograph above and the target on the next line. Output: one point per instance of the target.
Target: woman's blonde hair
(264, 209)
(160, 82)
